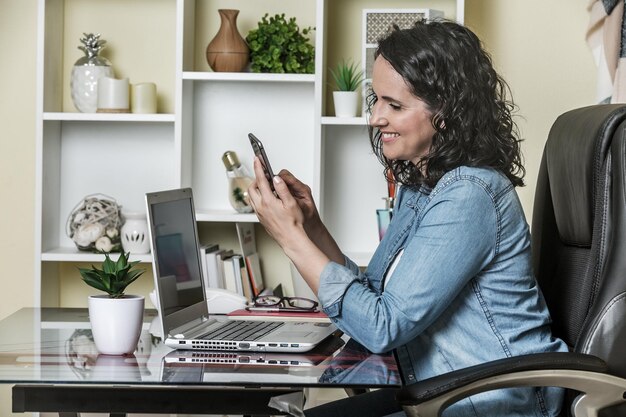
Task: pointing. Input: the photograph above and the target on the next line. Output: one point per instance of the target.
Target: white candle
(143, 98)
(112, 95)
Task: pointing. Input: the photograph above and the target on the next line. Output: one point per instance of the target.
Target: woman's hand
(290, 212)
(280, 213)
(303, 196)
(283, 218)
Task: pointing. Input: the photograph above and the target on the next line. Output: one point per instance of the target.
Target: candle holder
(143, 98)
(112, 95)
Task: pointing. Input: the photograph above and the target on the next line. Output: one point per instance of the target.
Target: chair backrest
(579, 231)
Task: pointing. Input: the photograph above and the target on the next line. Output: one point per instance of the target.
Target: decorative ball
(94, 224)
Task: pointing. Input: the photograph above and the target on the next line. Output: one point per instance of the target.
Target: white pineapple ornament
(86, 72)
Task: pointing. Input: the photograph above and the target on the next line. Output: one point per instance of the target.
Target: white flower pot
(134, 233)
(116, 323)
(346, 103)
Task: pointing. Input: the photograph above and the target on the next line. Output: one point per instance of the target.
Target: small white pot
(346, 103)
(134, 233)
(116, 323)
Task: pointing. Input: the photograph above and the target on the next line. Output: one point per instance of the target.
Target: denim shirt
(462, 293)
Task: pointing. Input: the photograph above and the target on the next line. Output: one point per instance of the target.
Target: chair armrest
(585, 373)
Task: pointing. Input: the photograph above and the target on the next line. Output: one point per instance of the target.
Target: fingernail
(277, 179)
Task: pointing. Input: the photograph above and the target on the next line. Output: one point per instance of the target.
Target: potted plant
(348, 77)
(278, 46)
(116, 318)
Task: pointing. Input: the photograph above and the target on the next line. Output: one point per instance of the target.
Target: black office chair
(579, 258)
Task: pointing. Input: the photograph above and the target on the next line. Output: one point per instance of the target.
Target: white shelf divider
(72, 254)
(247, 76)
(109, 117)
(225, 216)
(344, 121)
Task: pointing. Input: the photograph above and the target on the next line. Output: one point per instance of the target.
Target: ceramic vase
(84, 86)
(116, 323)
(228, 51)
(134, 233)
(86, 72)
(346, 103)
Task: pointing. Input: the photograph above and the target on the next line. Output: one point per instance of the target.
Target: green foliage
(347, 76)
(114, 277)
(239, 195)
(278, 46)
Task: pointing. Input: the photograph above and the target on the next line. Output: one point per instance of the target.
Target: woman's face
(403, 119)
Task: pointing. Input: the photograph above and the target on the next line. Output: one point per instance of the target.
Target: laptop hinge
(190, 328)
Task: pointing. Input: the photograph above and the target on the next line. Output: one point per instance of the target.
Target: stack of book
(236, 272)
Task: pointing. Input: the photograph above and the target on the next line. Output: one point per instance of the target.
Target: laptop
(325, 350)
(183, 306)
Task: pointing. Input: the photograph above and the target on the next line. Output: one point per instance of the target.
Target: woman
(451, 284)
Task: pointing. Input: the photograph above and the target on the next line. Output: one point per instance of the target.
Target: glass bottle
(238, 182)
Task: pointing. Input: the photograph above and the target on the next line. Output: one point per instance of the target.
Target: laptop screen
(175, 254)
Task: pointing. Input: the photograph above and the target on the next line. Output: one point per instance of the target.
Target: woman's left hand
(279, 213)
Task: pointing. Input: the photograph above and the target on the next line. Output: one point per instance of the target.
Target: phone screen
(259, 151)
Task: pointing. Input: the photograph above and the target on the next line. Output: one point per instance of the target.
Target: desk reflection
(87, 364)
(355, 365)
(55, 346)
(332, 363)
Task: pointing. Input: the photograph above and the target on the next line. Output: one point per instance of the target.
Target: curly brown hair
(446, 66)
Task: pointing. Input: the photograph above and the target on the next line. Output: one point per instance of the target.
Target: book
(247, 243)
(228, 269)
(247, 240)
(236, 261)
(213, 272)
(219, 261)
(204, 249)
(253, 267)
(241, 277)
(243, 314)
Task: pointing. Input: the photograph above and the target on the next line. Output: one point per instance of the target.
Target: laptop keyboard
(242, 330)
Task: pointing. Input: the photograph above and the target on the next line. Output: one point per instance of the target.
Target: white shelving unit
(127, 155)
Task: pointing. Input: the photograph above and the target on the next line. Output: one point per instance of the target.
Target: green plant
(114, 277)
(347, 76)
(278, 46)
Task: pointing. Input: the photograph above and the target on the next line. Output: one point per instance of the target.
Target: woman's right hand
(302, 193)
(312, 222)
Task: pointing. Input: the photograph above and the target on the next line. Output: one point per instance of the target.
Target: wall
(18, 21)
(550, 70)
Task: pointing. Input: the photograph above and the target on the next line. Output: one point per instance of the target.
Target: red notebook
(244, 314)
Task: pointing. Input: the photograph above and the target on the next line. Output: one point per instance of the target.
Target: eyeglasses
(275, 303)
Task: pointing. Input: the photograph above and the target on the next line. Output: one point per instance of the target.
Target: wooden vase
(228, 51)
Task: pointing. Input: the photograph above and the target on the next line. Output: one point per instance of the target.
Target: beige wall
(537, 45)
(18, 21)
(539, 48)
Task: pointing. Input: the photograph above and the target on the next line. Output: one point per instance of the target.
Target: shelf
(112, 117)
(247, 76)
(71, 254)
(225, 216)
(344, 121)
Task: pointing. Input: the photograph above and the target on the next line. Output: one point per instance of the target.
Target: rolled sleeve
(334, 282)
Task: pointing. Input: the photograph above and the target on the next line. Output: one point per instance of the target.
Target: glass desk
(49, 356)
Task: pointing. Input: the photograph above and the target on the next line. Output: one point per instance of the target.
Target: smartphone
(259, 151)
